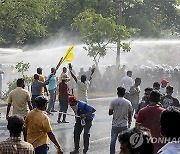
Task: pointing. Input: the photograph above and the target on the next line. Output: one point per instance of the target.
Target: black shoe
(64, 121)
(74, 151)
(49, 113)
(53, 111)
(84, 151)
(59, 121)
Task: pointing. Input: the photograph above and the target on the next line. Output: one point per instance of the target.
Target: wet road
(100, 131)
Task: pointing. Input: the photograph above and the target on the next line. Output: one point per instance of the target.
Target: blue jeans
(52, 99)
(63, 104)
(43, 149)
(114, 134)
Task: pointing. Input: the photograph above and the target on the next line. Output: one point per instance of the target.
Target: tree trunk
(119, 42)
(118, 54)
(96, 62)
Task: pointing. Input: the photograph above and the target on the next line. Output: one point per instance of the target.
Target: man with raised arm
(82, 85)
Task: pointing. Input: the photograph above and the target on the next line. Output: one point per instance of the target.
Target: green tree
(152, 17)
(23, 21)
(97, 32)
(22, 68)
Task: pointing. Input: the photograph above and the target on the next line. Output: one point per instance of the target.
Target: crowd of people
(157, 113)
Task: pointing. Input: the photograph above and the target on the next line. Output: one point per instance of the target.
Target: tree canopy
(97, 32)
(29, 21)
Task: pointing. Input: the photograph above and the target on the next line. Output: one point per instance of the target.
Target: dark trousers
(43, 149)
(63, 104)
(52, 99)
(33, 100)
(77, 132)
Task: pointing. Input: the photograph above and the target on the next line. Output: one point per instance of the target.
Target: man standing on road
(169, 100)
(121, 109)
(127, 82)
(63, 98)
(63, 74)
(42, 79)
(39, 129)
(134, 93)
(84, 121)
(36, 88)
(162, 89)
(144, 101)
(149, 117)
(14, 144)
(82, 86)
(52, 90)
(19, 98)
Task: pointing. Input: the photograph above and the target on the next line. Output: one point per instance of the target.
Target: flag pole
(59, 64)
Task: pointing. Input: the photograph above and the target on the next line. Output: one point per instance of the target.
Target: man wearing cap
(168, 99)
(63, 98)
(63, 74)
(84, 121)
(39, 129)
(164, 83)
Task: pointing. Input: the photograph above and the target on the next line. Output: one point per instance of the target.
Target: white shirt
(170, 148)
(127, 82)
(82, 90)
(162, 90)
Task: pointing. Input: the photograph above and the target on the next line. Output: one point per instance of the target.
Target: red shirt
(149, 117)
(63, 91)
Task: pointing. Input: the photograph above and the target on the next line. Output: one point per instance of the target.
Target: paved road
(100, 131)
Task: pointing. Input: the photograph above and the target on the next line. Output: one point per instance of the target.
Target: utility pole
(119, 41)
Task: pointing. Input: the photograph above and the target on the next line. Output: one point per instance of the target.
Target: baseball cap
(72, 101)
(164, 81)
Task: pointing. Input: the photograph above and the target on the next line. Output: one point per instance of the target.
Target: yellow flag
(69, 55)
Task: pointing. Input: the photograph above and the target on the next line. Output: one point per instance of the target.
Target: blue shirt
(84, 108)
(52, 83)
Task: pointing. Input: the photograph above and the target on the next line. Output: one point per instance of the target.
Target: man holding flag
(52, 86)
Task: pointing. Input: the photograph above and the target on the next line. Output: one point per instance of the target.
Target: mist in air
(143, 52)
